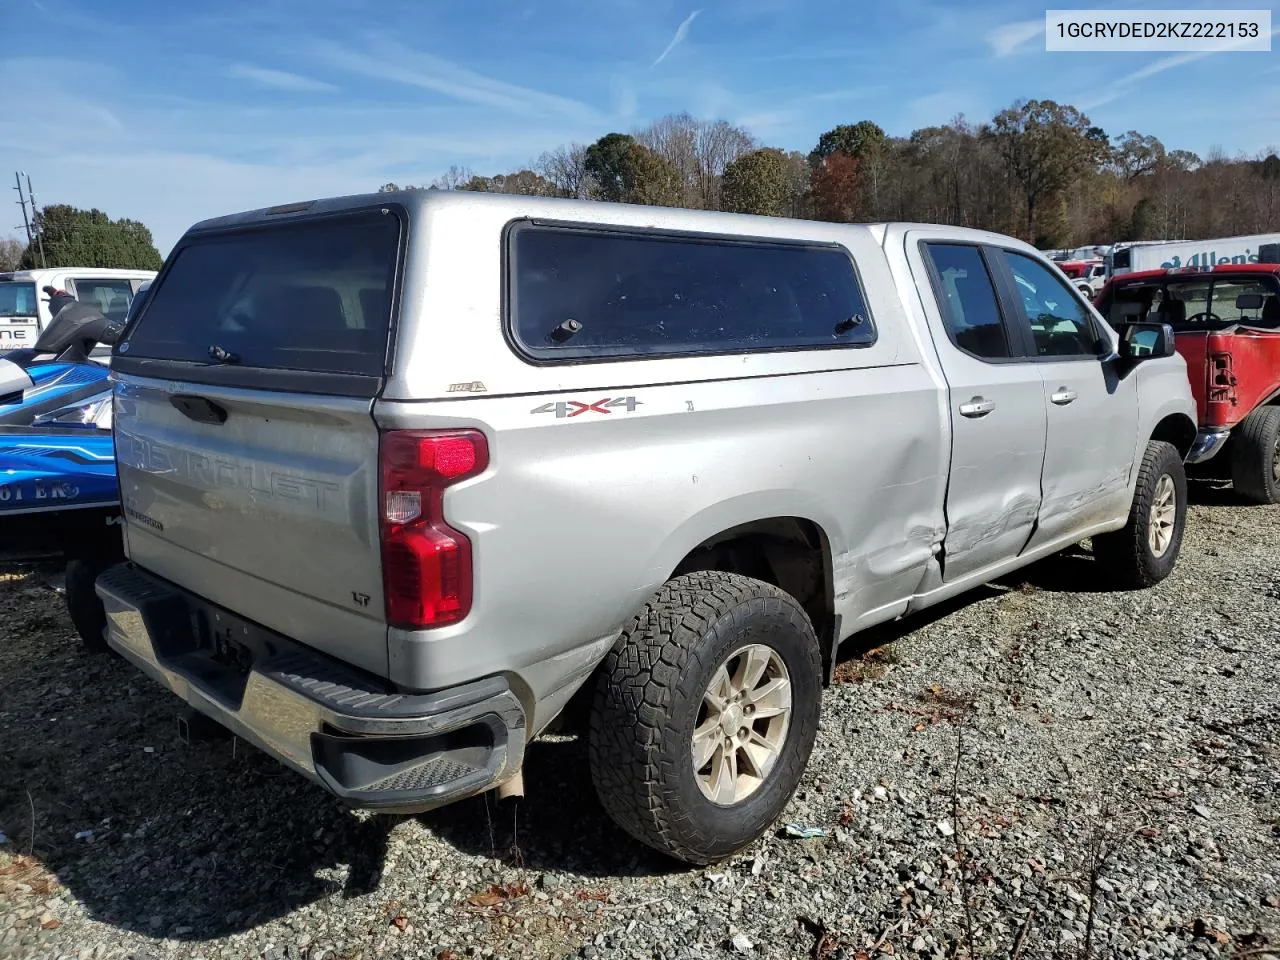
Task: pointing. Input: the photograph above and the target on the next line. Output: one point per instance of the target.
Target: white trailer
(1174, 254)
(24, 306)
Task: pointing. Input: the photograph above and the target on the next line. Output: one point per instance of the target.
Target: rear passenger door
(1091, 413)
(996, 402)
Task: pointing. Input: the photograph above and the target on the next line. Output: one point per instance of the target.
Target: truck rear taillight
(1222, 381)
(426, 564)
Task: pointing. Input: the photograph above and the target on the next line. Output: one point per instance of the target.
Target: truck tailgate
(252, 480)
(270, 513)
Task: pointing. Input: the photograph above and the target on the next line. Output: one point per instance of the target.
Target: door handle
(977, 407)
(1063, 396)
(200, 409)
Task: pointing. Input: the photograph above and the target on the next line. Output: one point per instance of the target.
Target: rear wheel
(84, 605)
(94, 550)
(1255, 456)
(1143, 552)
(705, 714)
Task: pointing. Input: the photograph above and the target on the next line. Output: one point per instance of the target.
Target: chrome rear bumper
(1207, 443)
(366, 744)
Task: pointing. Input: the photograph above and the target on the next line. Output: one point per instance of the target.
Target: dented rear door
(996, 403)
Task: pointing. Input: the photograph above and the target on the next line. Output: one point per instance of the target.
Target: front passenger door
(1092, 414)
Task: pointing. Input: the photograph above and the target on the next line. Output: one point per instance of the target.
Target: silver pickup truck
(406, 475)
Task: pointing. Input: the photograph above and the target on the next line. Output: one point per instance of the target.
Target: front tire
(704, 716)
(1143, 552)
(1255, 456)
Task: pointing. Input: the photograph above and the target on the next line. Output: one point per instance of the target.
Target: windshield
(1201, 304)
(17, 299)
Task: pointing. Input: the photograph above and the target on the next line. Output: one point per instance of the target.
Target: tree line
(1038, 170)
(66, 236)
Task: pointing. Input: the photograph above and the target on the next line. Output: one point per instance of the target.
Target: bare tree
(798, 182)
(10, 254)
(699, 150)
(453, 178)
(566, 169)
(717, 146)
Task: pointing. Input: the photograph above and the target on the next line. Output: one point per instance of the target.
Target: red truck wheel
(1255, 456)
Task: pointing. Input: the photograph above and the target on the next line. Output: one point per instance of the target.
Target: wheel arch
(792, 553)
(1177, 429)
(791, 550)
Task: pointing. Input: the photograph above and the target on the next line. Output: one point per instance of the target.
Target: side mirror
(1146, 341)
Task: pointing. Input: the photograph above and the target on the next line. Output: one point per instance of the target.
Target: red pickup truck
(1226, 321)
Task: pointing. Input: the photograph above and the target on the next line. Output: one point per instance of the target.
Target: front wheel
(1143, 552)
(705, 714)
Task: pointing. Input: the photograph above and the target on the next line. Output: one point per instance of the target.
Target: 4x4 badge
(574, 408)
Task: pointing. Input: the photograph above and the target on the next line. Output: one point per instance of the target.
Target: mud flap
(831, 652)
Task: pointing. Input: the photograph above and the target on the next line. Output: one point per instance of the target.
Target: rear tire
(696, 644)
(84, 605)
(1143, 552)
(1255, 456)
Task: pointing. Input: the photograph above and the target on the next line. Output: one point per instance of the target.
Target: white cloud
(938, 109)
(1007, 38)
(682, 31)
(384, 59)
(1180, 59)
(171, 161)
(1120, 86)
(278, 79)
(626, 101)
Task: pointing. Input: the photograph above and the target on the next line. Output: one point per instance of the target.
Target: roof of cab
(1142, 276)
(417, 202)
(90, 272)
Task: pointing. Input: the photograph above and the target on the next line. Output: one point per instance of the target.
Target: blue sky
(172, 112)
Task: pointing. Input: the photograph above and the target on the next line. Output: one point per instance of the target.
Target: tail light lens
(1222, 379)
(426, 564)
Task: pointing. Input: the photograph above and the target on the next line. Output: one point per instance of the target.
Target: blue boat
(58, 490)
(55, 421)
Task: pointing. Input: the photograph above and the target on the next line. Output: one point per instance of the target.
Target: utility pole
(32, 224)
(22, 201)
(31, 195)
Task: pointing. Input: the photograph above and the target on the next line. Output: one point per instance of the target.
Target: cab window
(111, 297)
(1202, 304)
(968, 302)
(1251, 302)
(1060, 323)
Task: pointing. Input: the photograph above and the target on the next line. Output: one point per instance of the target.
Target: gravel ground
(1117, 760)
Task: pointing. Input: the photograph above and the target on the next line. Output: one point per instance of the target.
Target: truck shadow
(203, 840)
(158, 837)
(1213, 492)
(1073, 570)
(558, 827)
